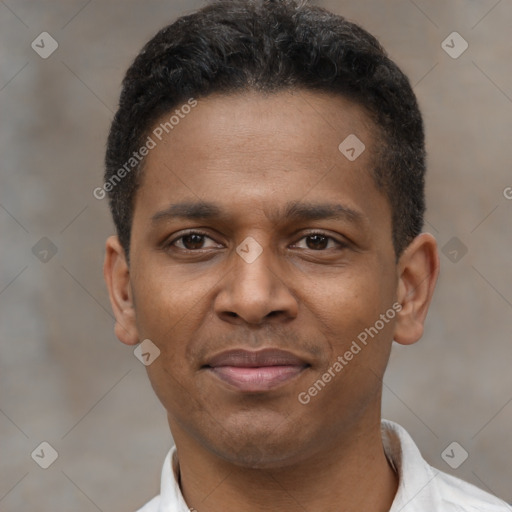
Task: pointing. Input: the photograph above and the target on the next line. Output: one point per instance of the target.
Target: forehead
(256, 152)
(306, 123)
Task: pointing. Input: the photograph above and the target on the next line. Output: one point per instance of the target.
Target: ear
(418, 270)
(117, 276)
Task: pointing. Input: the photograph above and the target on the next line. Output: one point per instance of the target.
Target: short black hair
(270, 45)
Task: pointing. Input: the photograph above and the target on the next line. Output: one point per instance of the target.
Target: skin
(252, 154)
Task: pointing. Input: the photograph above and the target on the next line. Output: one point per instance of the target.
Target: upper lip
(253, 359)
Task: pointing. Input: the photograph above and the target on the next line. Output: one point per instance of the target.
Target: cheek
(350, 379)
(169, 312)
(166, 303)
(169, 317)
(347, 302)
(348, 311)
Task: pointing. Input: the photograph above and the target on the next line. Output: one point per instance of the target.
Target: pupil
(194, 240)
(319, 241)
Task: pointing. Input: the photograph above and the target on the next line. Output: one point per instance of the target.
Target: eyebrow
(295, 210)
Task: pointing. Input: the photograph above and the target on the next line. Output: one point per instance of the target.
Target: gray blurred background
(64, 377)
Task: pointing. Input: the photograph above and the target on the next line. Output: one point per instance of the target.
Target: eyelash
(170, 243)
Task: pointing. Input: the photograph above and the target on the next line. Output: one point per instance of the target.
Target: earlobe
(117, 277)
(418, 272)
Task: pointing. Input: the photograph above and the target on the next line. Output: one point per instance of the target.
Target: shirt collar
(171, 499)
(414, 475)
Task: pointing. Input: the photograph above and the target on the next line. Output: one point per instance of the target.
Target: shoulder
(461, 496)
(151, 506)
(423, 488)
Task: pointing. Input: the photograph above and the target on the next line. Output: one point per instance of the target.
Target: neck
(352, 475)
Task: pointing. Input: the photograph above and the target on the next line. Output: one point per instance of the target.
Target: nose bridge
(255, 287)
(253, 268)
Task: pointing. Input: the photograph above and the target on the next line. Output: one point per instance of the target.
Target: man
(265, 171)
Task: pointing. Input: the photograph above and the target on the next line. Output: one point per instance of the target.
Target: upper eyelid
(199, 232)
(193, 232)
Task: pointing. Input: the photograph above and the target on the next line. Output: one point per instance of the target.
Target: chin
(261, 446)
(265, 456)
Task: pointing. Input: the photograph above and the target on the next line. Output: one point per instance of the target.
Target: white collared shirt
(421, 487)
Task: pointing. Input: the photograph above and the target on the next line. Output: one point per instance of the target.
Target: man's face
(269, 164)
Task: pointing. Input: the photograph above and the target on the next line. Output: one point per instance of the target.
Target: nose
(256, 291)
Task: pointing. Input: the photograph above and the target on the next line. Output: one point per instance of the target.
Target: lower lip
(262, 378)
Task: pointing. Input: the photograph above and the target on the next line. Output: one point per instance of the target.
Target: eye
(193, 240)
(320, 242)
(197, 240)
